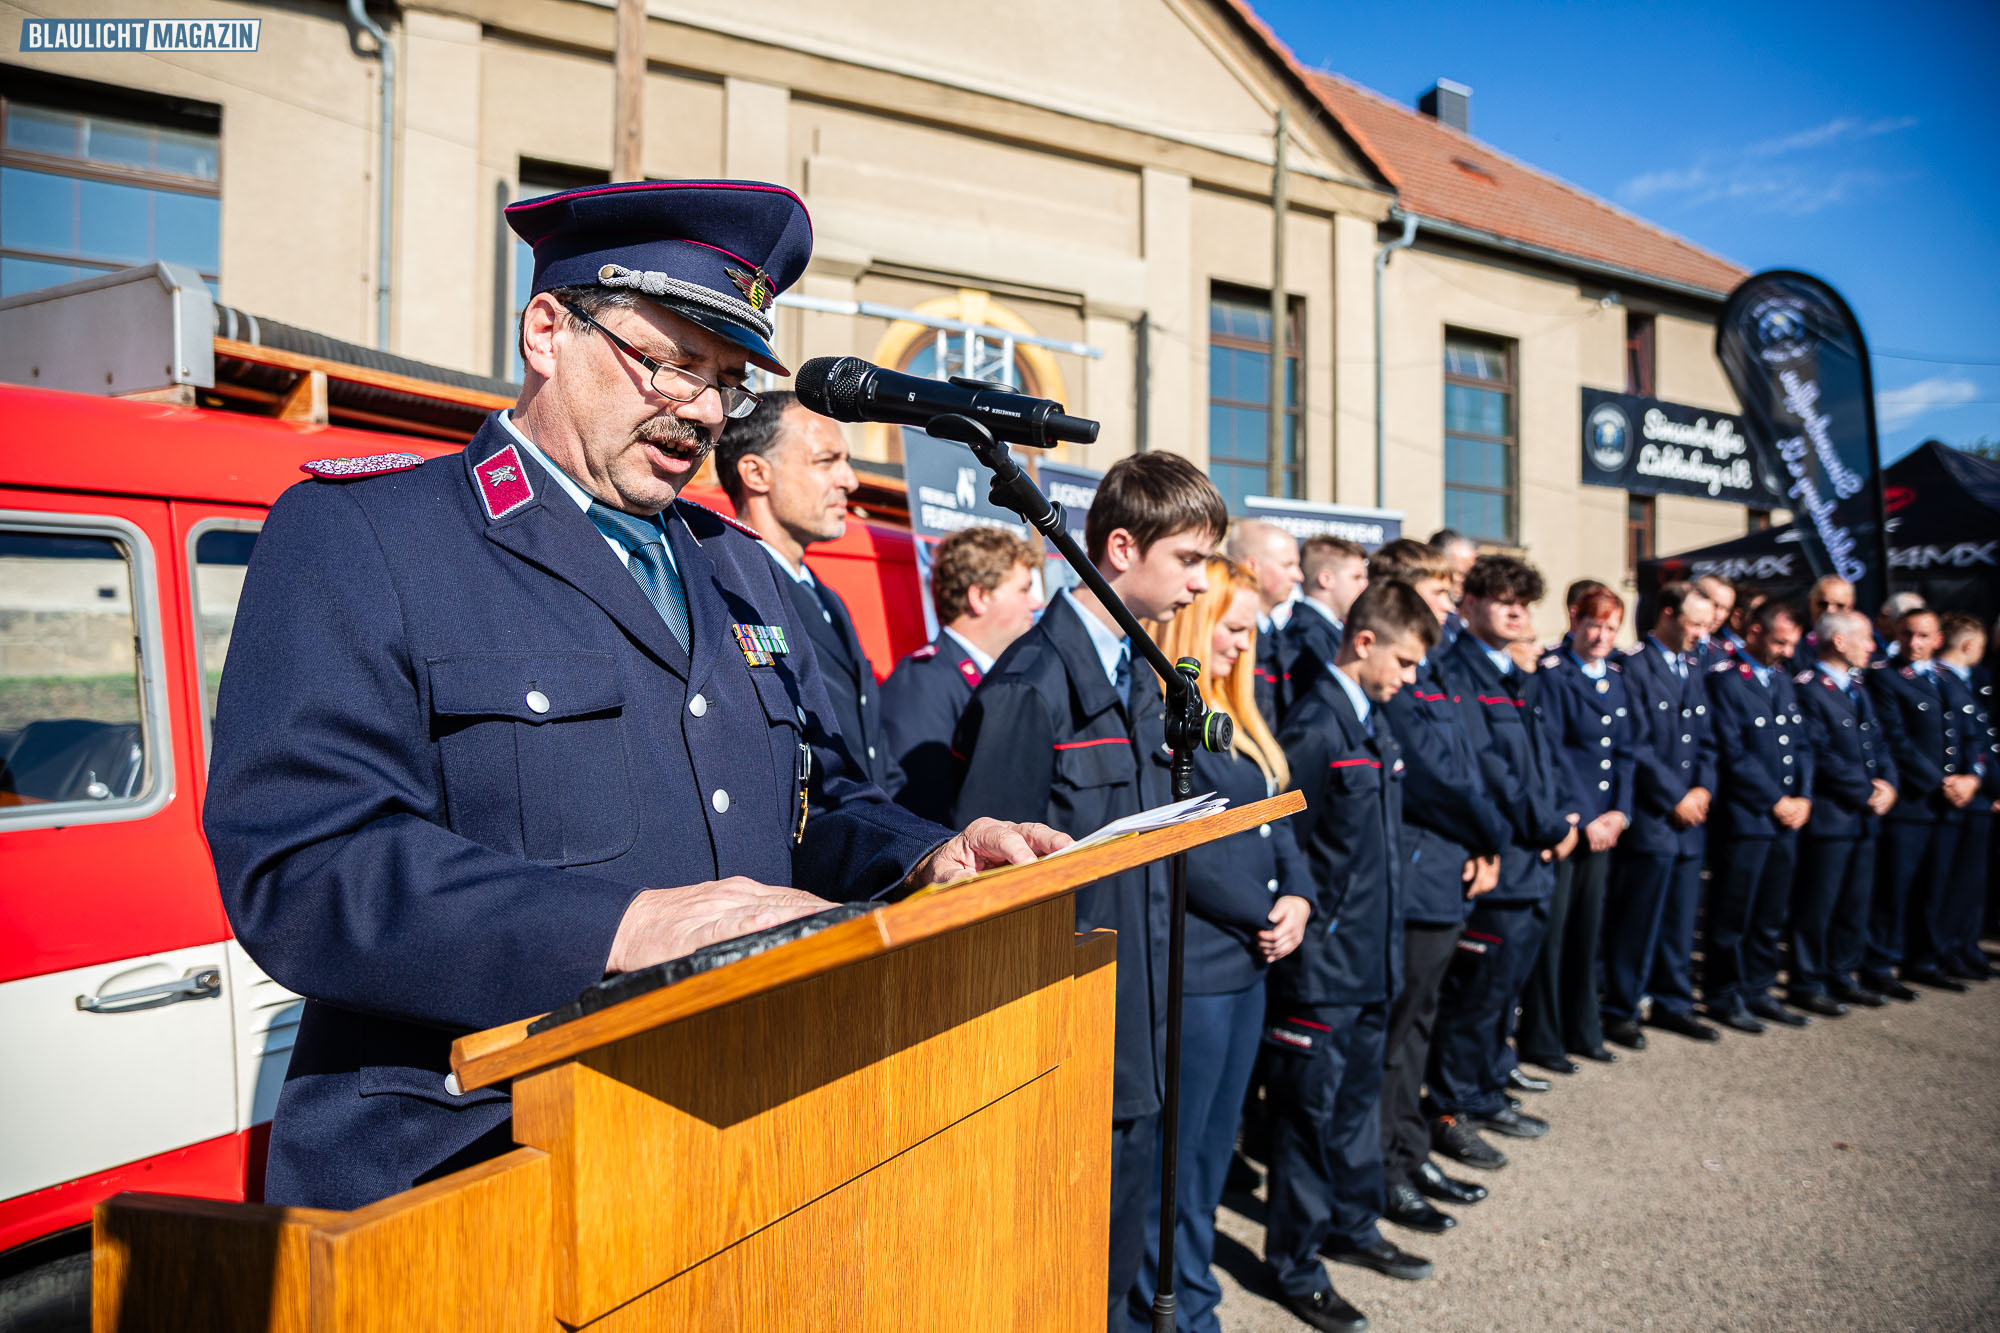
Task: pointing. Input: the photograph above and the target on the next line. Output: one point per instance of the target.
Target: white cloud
(1899, 407)
(1788, 174)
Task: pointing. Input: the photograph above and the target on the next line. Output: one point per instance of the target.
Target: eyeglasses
(737, 403)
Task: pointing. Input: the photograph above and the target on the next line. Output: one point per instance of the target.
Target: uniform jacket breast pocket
(534, 753)
(1090, 775)
(787, 719)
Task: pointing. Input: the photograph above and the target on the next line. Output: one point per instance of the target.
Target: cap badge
(757, 287)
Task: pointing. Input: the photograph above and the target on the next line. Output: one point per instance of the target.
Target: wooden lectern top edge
(481, 1059)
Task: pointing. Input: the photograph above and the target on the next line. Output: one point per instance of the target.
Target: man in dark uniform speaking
(497, 725)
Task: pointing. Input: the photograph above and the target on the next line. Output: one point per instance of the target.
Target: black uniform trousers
(1770, 919)
(1428, 949)
(1326, 1140)
(1559, 1003)
(1830, 896)
(1750, 873)
(1969, 870)
(1469, 1054)
(1649, 928)
(1914, 856)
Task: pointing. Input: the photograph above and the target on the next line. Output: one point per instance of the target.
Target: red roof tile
(1442, 173)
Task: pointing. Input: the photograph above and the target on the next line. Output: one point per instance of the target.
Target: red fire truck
(143, 1048)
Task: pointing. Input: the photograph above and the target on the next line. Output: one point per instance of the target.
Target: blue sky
(1854, 141)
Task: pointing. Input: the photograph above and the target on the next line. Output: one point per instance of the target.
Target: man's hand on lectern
(666, 923)
(985, 844)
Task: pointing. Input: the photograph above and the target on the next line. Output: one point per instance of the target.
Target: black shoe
(1602, 1055)
(1737, 1020)
(1513, 1124)
(1325, 1310)
(1555, 1064)
(1771, 1011)
(1684, 1024)
(1384, 1256)
(1860, 995)
(1936, 980)
(1521, 1081)
(1626, 1032)
(1974, 968)
(1433, 1183)
(1896, 990)
(1824, 1005)
(1407, 1208)
(1461, 1142)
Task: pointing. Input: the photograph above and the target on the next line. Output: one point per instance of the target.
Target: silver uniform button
(537, 702)
(1604, 786)
(1759, 721)
(827, 616)
(720, 801)
(1271, 884)
(1788, 759)
(1923, 708)
(1604, 740)
(1605, 764)
(1699, 709)
(698, 706)
(802, 716)
(1263, 830)
(862, 699)
(1687, 738)
(1663, 705)
(1783, 739)
(871, 752)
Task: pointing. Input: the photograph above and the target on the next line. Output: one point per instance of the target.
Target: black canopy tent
(1944, 540)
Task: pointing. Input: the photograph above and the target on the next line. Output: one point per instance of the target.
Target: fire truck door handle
(200, 983)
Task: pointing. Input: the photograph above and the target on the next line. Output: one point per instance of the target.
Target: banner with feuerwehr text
(1796, 358)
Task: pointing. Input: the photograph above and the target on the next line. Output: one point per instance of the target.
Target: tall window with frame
(1641, 523)
(535, 180)
(1480, 437)
(1239, 395)
(94, 179)
(1639, 354)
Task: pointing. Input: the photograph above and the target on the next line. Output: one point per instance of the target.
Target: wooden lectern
(898, 1123)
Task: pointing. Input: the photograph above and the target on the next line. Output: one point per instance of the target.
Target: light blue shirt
(1594, 670)
(1362, 706)
(584, 499)
(980, 657)
(1763, 673)
(1339, 625)
(1110, 644)
(1962, 672)
(800, 574)
(1674, 659)
(1497, 656)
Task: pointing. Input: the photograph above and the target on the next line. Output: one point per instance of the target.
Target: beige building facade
(1097, 209)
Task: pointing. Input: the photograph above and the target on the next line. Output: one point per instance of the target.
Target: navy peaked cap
(715, 252)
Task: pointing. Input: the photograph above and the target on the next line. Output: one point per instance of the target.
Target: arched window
(986, 350)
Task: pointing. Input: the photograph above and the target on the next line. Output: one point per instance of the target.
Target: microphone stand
(1190, 726)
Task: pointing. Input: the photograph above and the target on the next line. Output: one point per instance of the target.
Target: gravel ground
(1845, 1176)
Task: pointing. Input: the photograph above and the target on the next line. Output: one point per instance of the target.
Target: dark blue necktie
(1121, 676)
(646, 556)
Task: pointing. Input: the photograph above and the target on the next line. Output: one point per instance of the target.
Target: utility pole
(629, 98)
(1274, 479)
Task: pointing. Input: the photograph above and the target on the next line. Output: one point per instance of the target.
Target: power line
(1895, 354)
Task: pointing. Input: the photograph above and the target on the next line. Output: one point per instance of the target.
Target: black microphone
(847, 388)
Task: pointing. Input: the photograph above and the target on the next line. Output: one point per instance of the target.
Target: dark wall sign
(1650, 447)
(947, 492)
(1310, 518)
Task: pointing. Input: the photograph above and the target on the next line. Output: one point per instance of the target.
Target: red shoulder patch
(925, 653)
(364, 465)
(969, 671)
(741, 527)
(503, 483)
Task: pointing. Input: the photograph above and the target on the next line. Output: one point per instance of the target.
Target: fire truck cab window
(221, 557)
(71, 717)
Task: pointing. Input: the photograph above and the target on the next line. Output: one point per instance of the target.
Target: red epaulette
(925, 653)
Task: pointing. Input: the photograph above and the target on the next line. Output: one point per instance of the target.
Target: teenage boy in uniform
(1329, 999)
(1069, 725)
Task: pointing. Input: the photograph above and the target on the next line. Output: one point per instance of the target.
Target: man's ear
(540, 322)
(1362, 642)
(755, 475)
(1121, 550)
(977, 600)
